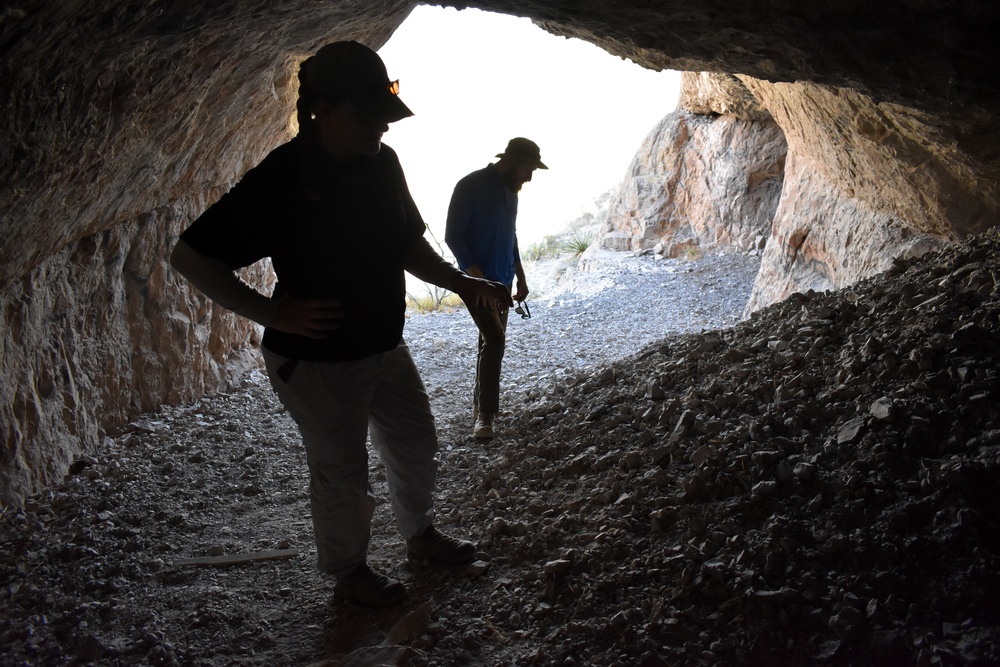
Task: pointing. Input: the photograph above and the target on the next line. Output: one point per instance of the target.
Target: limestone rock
(713, 93)
(699, 180)
(860, 193)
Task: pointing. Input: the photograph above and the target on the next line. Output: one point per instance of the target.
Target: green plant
(577, 243)
(693, 253)
(538, 251)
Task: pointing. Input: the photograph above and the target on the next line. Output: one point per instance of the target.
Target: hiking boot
(432, 545)
(369, 588)
(484, 426)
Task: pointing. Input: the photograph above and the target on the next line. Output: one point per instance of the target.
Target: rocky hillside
(710, 173)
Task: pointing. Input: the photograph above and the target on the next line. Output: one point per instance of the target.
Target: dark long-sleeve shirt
(482, 225)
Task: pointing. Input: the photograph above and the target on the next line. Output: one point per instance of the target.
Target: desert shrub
(548, 247)
(693, 253)
(434, 299)
(577, 243)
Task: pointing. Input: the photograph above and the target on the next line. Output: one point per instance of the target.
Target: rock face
(864, 183)
(101, 331)
(122, 122)
(709, 173)
(144, 129)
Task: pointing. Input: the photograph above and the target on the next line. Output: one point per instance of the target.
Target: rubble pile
(814, 485)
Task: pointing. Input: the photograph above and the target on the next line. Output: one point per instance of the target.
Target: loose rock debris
(814, 485)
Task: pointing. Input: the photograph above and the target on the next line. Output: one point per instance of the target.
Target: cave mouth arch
(475, 79)
(123, 125)
(126, 119)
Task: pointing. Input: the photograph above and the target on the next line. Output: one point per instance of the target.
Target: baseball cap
(524, 150)
(352, 72)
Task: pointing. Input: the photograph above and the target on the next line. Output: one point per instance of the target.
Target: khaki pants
(336, 406)
(492, 326)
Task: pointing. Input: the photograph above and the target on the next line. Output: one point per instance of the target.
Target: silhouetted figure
(482, 233)
(332, 211)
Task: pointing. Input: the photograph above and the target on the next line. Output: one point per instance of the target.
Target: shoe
(369, 588)
(484, 426)
(432, 545)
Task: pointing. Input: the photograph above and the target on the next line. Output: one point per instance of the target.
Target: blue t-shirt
(481, 229)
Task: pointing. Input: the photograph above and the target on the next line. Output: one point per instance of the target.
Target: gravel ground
(670, 485)
(91, 568)
(585, 312)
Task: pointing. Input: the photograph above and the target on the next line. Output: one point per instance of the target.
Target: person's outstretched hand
(312, 318)
(482, 293)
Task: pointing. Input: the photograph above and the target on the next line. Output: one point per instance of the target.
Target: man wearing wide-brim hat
(482, 234)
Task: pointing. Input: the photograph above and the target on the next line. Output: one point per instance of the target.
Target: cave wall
(101, 331)
(117, 144)
(865, 183)
(124, 120)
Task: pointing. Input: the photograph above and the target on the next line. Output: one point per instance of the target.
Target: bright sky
(474, 80)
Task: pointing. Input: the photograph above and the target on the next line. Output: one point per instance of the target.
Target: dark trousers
(492, 326)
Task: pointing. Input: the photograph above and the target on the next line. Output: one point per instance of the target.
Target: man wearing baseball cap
(332, 212)
(482, 233)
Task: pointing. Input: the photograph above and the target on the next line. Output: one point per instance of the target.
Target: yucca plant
(578, 243)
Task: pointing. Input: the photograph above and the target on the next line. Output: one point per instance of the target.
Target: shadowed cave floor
(668, 487)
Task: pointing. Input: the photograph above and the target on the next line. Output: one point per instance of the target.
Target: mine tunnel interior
(109, 166)
(811, 484)
(219, 151)
(894, 175)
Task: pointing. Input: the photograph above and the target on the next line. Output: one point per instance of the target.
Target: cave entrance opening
(475, 79)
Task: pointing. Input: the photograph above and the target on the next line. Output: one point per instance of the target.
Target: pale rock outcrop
(865, 183)
(709, 173)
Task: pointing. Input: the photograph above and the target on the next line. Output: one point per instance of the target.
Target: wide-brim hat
(523, 150)
(352, 72)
